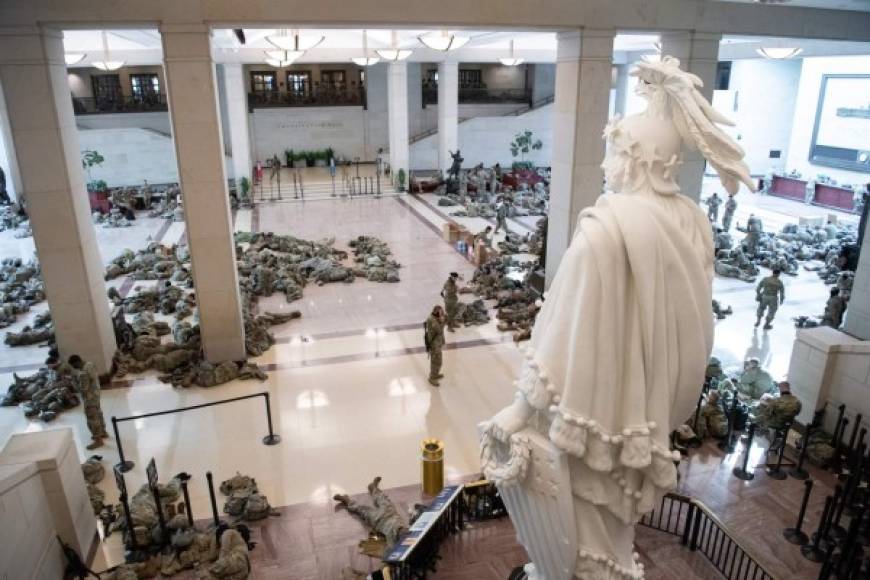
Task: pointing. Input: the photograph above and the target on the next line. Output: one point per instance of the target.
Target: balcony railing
(123, 104)
(354, 96)
(480, 95)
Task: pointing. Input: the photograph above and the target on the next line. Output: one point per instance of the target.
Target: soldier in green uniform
(713, 203)
(730, 208)
(450, 293)
(501, 212)
(434, 336)
(777, 412)
(834, 310)
(754, 382)
(769, 294)
(712, 422)
(89, 387)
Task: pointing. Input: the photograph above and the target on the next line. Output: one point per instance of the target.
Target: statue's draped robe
(617, 360)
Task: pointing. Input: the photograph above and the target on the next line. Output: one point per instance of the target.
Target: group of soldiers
(771, 406)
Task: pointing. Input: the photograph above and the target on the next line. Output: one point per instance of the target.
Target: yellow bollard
(432, 458)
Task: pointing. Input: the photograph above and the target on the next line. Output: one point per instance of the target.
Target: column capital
(29, 45)
(588, 44)
(186, 42)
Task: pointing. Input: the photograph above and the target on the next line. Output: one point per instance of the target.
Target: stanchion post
(123, 464)
(812, 552)
(271, 438)
(214, 511)
(186, 495)
(796, 535)
(776, 471)
(125, 504)
(798, 471)
(741, 472)
(727, 445)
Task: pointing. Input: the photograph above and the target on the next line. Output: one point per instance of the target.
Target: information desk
(788, 187)
(834, 197)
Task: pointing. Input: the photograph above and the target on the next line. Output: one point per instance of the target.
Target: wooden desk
(834, 197)
(788, 187)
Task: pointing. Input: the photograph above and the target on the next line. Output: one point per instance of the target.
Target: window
(723, 75)
(299, 82)
(145, 87)
(107, 91)
(332, 78)
(263, 82)
(469, 77)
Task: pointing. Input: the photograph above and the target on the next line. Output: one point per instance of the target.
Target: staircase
(322, 190)
(515, 113)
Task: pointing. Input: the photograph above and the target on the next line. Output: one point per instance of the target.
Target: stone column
(46, 144)
(190, 81)
(858, 311)
(397, 104)
(699, 54)
(237, 117)
(583, 78)
(448, 112)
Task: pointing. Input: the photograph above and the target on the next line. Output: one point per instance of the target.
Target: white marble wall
(157, 121)
(486, 139)
(274, 130)
(132, 155)
(830, 367)
(858, 312)
(761, 102)
(42, 494)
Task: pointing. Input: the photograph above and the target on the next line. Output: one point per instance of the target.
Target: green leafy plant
(330, 154)
(400, 179)
(97, 185)
(523, 143)
(90, 159)
(522, 165)
(245, 186)
(288, 157)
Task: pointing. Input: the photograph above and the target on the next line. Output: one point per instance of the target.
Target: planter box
(299, 164)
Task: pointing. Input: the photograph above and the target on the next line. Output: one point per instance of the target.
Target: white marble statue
(618, 352)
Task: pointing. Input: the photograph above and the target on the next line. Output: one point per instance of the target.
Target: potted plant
(400, 179)
(288, 157)
(523, 143)
(321, 158)
(244, 188)
(92, 158)
(310, 156)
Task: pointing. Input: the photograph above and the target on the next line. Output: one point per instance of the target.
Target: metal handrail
(120, 104)
(701, 530)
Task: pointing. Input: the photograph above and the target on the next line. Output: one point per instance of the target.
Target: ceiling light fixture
(107, 63)
(282, 58)
(511, 61)
(775, 53)
(394, 53)
(365, 59)
(294, 41)
(72, 58)
(443, 41)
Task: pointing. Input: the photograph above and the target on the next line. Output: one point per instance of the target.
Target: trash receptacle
(432, 460)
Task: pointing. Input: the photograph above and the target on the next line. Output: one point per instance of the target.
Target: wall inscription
(302, 124)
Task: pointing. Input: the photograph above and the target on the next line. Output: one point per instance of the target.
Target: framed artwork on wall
(841, 136)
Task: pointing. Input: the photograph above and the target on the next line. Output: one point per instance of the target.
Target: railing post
(214, 511)
(186, 495)
(798, 471)
(130, 531)
(727, 444)
(687, 528)
(271, 438)
(741, 472)
(796, 535)
(776, 471)
(123, 464)
(696, 528)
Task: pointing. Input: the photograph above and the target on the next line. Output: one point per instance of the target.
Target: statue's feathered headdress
(695, 119)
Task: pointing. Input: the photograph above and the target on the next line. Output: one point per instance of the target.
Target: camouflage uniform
(769, 293)
(755, 382)
(434, 344)
(89, 387)
(501, 218)
(451, 302)
(730, 208)
(777, 412)
(381, 517)
(712, 422)
(713, 203)
(834, 310)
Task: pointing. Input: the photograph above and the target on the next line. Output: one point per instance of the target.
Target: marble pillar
(699, 54)
(46, 144)
(583, 77)
(397, 97)
(448, 112)
(858, 311)
(236, 92)
(196, 131)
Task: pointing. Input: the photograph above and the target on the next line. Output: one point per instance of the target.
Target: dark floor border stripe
(420, 216)
(347, 333)
(348, 358)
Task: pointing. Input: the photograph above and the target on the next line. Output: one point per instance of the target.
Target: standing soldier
(834, 310)
(501, 211)
(754, 229)
(713, 203)
(434, 337)
(730, 208)
(769, 294)
(89, 387)
(450, 294)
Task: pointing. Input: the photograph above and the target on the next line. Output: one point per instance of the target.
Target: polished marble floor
(347, 380)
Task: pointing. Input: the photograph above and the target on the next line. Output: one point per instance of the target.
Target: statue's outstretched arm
(510, 419)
